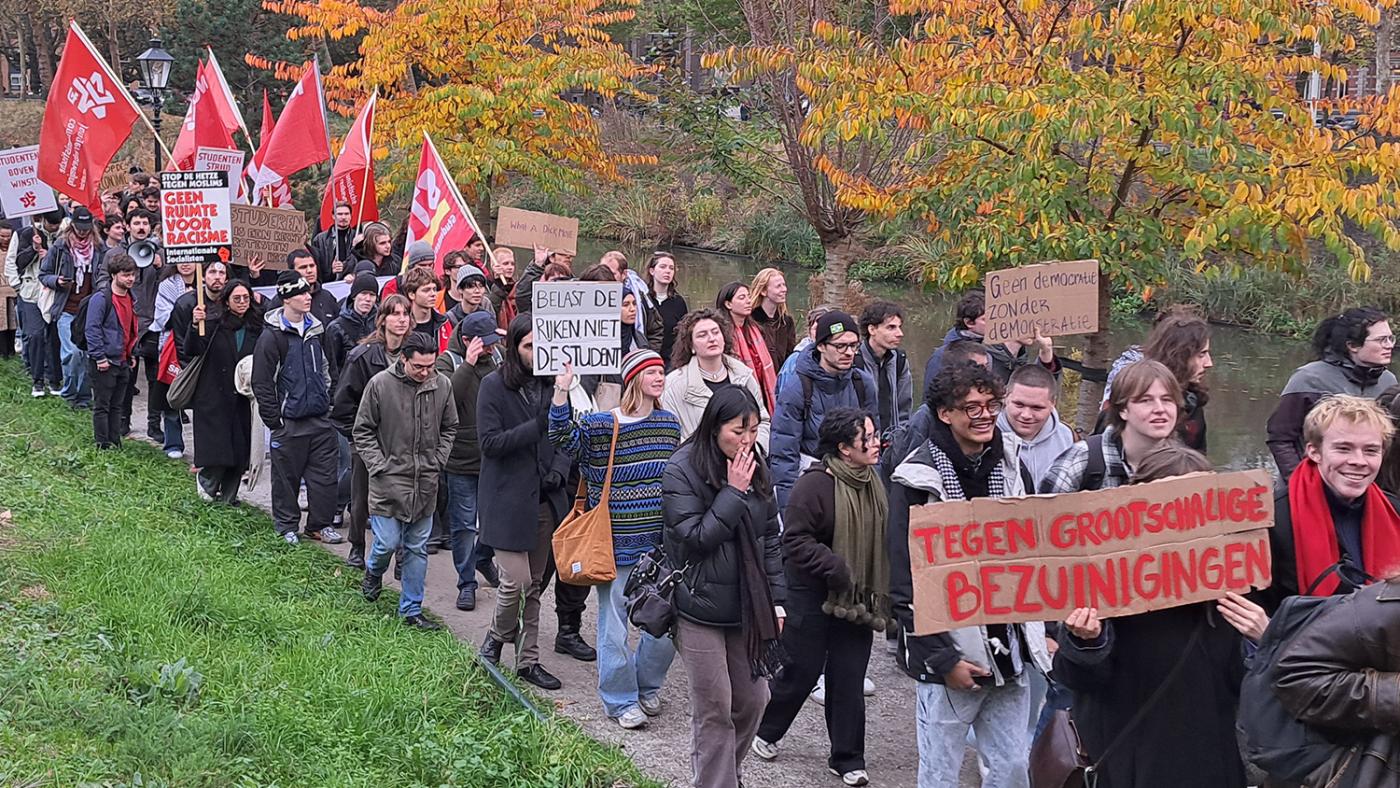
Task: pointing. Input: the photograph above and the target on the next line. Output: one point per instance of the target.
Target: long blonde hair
(759, 289)
(632, 397)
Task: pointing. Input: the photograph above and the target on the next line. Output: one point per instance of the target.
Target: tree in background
(1145, 134)
(501, 87)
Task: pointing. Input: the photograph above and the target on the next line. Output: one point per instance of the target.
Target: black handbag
(648, 593)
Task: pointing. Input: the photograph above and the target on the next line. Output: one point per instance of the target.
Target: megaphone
(143, 252)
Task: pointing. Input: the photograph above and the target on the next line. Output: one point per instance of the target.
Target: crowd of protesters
(773, 465)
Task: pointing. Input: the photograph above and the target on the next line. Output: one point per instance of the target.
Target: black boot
(569, 642)
(490, 575)
(371, 586)
(356, 559)
(491, 649)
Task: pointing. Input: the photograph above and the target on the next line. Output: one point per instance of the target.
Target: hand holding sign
(1084, 624)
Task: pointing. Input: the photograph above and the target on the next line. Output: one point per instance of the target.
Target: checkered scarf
(952, 487)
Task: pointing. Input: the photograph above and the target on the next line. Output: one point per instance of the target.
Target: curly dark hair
(1337, 336)
(684, 350)
(953, 382)
(840, 427)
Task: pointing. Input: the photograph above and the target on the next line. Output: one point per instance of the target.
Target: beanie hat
(480, 325)
(420, 252)
(833, 324)
(636, 361)
(467, 271)
(364, 283)
(291, 284)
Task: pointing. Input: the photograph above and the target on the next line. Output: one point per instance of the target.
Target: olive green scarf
(858, 538)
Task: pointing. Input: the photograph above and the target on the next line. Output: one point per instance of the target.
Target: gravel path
(661, 749)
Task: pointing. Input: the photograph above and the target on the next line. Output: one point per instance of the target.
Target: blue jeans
(388, 534)
(624, 676)
(74, 362)
(998, 717)
(173, 431)
(461, 523)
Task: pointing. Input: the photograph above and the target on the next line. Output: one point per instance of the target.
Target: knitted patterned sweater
(643, 447)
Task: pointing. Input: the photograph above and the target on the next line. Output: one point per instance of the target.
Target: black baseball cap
(82, 217)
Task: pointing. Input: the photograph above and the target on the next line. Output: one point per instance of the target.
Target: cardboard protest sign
(229, 160)
(21, 191)
(195, 218)
(579, 323)
(1057, 298)
(528, 229)
(268, 233)
(1125, 550)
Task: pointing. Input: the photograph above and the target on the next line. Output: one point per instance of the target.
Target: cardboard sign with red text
(1057, 299)
(1125, 550)
(195, 219)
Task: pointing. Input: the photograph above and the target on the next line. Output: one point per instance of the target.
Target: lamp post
(155, 75)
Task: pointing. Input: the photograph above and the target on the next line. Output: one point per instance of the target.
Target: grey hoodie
(1040, 452)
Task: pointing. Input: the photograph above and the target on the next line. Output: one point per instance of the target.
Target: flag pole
(369, 160)
(112, 77)
(471, 219)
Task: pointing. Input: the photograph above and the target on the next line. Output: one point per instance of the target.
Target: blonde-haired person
(769, 293)
(629, 681)
(1334, 529)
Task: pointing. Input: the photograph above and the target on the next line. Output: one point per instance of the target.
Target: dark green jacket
(404, 432)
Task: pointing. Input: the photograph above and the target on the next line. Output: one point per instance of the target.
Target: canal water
(1250, 368)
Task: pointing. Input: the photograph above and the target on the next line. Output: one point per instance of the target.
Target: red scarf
(753, 351)
(1315, 546)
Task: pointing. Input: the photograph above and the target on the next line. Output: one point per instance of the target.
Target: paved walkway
(661, 749)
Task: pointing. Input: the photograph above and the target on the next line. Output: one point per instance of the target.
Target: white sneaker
(765, 750)
(174, 455)
(632, 718)
(650, 706)
(853, 777)
(868, 687)
(203, 493)
(290, 537)
(818, 695)
(36, 392)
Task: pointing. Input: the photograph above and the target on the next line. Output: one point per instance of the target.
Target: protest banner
(1125, 550)
(21, 191)
(1056, 298)
(528, 229)
(229, 160)
(266, 232)
(195, 217)
(579, 323)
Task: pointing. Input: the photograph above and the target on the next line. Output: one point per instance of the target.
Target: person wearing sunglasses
(828, 379)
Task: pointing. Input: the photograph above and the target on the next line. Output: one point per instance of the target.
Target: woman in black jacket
(519, 467)
(722, 521)
(223, 418)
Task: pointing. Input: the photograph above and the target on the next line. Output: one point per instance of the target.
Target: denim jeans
(74, 362)
(173, 432)
(388, 534)
(998, 716)
(624, 676)
(461, 520)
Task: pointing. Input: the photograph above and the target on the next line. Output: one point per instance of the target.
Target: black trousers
(222, 481)
(313, 456)
(569, 600)
(148, 349)
(359, 500)
(817, 643)
(109, 391)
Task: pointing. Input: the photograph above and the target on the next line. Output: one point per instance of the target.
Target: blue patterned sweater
(643, 448)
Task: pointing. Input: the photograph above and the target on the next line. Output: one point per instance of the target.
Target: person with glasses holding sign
(827, 380)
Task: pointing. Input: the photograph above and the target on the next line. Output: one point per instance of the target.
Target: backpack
(861, 396)
(1271, 737)
(77, 331)
(1097, 467)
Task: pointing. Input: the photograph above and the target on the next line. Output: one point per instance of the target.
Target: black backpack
(1272, 738)
(77, 331)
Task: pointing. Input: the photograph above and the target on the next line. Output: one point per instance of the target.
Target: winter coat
(223, 418)
(525, 286)
(686, 395)
(1040, 452)
(779, 334)
(671, 311)
(363, 363)
(103, 331)
(290, 379)
(809, 526)
(181, 320)
(1309, 384)
(701, 527)
(465, 459)
(520, 468)
(403, 432)
(935, 361)
(439, 330)
(1003, 363)
(333, 244)
(928, 658)
(344, 333)
(22, 266)
(1342, 674)
(794, 435)
(59, 262)
(324, 306)
(1188, 738)
(897, 380)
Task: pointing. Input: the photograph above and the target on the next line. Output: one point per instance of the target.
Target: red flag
(438, 214)
(203, 127)
(224, 103)
(279, 194)
(301, 138)
(352, 178)
(87, 118)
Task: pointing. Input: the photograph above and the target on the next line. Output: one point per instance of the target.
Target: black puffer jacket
(701, 527)
(363, 363)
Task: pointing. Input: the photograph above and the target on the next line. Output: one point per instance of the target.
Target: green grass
(147, 638)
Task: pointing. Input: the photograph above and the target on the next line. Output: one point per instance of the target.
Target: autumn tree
(501, 87)
(1145, 134)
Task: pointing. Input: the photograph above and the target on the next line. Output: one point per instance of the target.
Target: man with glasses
(972, 677)
(827, 379)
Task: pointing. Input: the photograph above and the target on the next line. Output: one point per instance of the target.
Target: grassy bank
(151, 639)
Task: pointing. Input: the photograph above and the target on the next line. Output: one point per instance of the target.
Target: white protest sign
(195, 217)
(579, 323)
(21, 191)
(228, 160)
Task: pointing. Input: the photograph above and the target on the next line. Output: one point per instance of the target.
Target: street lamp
(155, 75)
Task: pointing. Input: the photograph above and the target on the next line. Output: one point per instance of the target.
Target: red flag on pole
(278, 194)
(204, 126)
(352, 178)
(224, 103)
(301, 137)
(87, 118)
(438, 214)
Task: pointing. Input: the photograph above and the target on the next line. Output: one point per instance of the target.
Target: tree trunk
(1095, 358)
(840, 254)
(43, 48)
(1385, 40)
